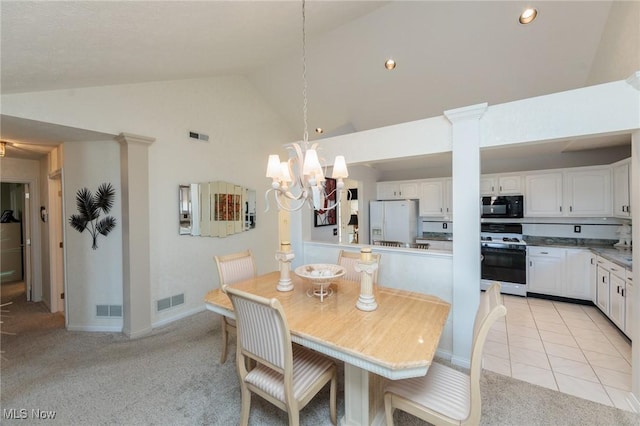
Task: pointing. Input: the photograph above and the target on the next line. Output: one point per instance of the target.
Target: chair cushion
(308, 366)
(443, 389)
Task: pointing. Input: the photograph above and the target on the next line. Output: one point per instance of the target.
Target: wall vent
(109, 310)
(170, 302)
(199, 136)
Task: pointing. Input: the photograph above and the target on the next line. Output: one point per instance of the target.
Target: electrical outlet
(577, 229)
(444, 225)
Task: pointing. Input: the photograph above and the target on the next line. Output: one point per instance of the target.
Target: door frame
(57, 254)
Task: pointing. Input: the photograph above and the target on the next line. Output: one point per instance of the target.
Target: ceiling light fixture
(319, 130)
(390, 64)
(3, 148)
(300, 180)
(528, 16)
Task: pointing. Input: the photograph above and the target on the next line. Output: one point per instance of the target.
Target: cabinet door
(448, 197)
(543, 195)
(545, 270)
(387, 190)
(432, 198)
(602, 290)
(488, 186)
(510, 185)
(408, 190)
(579, 274)
(621, 204)
(616, 300)
(588, 192)
(628, 314)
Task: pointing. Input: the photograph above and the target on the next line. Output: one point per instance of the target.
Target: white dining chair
(286, 375)
(348, 260)
(445, 396)
(233, 268)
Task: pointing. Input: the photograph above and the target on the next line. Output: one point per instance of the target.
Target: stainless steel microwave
(510, 206)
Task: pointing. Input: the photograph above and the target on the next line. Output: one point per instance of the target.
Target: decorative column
(136, 269)
(465, 136)
(367, 267)
(285, 256)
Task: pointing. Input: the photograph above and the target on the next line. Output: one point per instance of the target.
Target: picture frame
(326, 216)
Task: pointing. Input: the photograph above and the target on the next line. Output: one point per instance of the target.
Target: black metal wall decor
(89, 208)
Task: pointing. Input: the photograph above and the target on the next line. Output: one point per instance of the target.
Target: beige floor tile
(534, 301)
(497, 336)
(522, 322)
(562, 339)
(572, 368)
(619, 398)
(528, 357)
(548, 316)
(597, 346)
(613, 378)
(519, 330)
(500, 350)
(563, 351)
(507, 299)
(531, 374)
(574, 323)
(567, 307)
(553, 326)
(499, 326)
(612, 362)
(533, 344)
(583, 389)
(592, 337)
(575, 315)
(496, 364)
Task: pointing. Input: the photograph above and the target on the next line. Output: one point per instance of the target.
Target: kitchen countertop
(602, 248)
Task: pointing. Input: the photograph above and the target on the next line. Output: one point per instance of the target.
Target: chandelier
(301, 180)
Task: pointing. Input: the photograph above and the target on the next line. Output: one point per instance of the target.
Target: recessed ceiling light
(319, 130)
(528, 16)
(390, 64)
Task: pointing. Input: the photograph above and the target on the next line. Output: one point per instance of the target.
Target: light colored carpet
(173, 377)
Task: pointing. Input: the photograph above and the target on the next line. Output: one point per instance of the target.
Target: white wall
(243, 130)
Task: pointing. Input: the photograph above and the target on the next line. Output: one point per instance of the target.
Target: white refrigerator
(393, 221)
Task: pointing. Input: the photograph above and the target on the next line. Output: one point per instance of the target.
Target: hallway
(22, 316)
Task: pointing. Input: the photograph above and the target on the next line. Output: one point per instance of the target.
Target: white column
(635, 229)
(466, 231)
(136, 280)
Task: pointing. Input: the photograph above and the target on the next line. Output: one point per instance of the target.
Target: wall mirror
(216, 209)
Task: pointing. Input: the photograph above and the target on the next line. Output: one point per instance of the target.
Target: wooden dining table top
(398, 339)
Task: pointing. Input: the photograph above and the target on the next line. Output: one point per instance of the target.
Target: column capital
(466, 113)
(129, 138)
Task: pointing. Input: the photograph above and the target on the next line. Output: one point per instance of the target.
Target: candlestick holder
(285, 258)
(367, 268)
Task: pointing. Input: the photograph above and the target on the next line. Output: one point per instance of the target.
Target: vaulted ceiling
(449, 54)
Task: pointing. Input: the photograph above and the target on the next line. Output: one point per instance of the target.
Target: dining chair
(231, 269)
(348, 260)
(445, 396)
(286, 375)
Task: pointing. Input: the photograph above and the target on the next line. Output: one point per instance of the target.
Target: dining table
(397, 340)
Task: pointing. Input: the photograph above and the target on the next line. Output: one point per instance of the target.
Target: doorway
(15, 229)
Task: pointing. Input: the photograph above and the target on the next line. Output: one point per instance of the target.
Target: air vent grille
(170, 302)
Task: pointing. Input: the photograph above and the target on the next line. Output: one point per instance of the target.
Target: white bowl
(320, 273)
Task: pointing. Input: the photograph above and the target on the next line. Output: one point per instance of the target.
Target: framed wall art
(327, 216)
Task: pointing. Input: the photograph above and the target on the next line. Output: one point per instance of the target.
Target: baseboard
(179, 316)
(446, 355)
(633, 402)
(461, 362)
(138, 334)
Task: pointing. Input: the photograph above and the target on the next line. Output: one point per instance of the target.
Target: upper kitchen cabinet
(402, 190)
(588, 192)
(543, 194)
(432, 197)
(501, 185)
(621, 178)
(583, 191)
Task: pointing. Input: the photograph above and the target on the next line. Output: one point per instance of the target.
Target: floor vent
(170, 302)
(109, 310)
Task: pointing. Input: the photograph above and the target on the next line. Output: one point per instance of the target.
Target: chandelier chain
(305, 135)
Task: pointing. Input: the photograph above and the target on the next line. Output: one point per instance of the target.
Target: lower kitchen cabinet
(602, 290)
(561, 272)
(628, 314)
(617, 303)
(614, 294)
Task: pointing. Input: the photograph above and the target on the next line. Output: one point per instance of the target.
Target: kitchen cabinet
(617, 302)
(400, 190)
(448, 197)
(628, 312)
(588, 192)
(543, 194)
(432, 197)
(545, 272)
(602, 288)
(501, 185)
(579, 274)
(621, 178)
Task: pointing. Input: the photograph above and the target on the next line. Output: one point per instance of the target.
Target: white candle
(365, 254)
(285, 246)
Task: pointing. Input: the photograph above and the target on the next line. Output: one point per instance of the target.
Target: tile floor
(566, 347)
